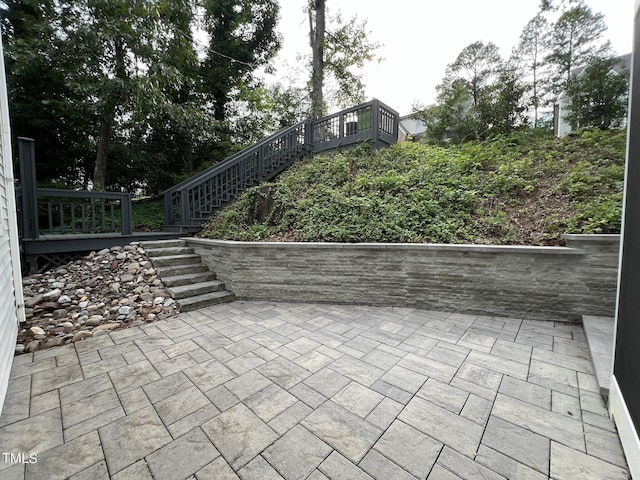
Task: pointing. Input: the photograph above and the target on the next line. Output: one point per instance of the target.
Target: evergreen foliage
(508, 94)
(520, 188)
(113, 91)
(599, 95)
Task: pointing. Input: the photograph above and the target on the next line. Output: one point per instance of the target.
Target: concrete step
(600, 332)
(188, 278)
(168, 251)
(177, 270)
(163, 244)
(174, 260)
(196, 289)
(206, 300)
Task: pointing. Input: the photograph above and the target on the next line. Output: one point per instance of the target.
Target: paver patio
(256, 390)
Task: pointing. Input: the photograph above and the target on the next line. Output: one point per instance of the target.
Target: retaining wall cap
(601, 238)
(471, 248)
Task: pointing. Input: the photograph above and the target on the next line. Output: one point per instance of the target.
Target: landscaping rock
(107, 326)
(81, 335)
(33, 301)
(52, 295)
(36, 331)
(107, 290)
(94, 320)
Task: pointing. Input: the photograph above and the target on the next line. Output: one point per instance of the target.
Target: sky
(421, 37)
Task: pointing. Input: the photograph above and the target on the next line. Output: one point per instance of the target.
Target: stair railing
(192, 201)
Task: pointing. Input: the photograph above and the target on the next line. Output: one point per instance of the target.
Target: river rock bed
(108, 290)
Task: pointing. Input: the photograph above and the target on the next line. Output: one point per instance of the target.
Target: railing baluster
(50, 212)
(103, 215)
(184, 207)
(125, 211)
(30, 213)
(261, 162)
(168, 209)
(61, 215)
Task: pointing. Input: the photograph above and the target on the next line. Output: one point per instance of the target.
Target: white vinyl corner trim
(626, 429)
(5, 144)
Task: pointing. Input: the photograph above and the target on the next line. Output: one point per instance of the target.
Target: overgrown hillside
(516, 189)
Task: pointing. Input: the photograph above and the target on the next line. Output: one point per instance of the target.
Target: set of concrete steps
(191, 284)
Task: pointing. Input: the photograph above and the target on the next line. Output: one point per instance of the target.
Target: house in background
(561, 127)
(411, 129)
(11, 302)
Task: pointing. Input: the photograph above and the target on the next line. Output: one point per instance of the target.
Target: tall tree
(598, 95)
(338, 48)
(42, 103)
(133, 52)
(317, 27)
(477, 64)
(242, 38)
(479, 96)
(555, 5)
(574, 39)
(118, 81)
(501, 108)
(453, 118)
(529, 55)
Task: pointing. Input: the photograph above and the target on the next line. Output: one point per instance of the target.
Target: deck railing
(192, 202)
(53, 211)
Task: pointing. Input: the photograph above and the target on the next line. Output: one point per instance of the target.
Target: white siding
(11, 303)
(564, 127)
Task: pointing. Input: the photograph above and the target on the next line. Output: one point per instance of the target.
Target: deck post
(375, 124)
(125, 211)
(396, 126)
(308, 135)
(184, 207)
(168, 211)
(26, 154)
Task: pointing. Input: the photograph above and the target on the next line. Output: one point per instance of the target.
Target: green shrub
(519, 188)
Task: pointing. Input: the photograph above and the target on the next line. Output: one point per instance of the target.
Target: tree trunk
(106, 123)
(100, 170)
(316, 36)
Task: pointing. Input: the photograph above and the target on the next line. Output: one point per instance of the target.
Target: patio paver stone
(262, 390)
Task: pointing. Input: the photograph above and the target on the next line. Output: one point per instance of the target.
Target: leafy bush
(520, 188)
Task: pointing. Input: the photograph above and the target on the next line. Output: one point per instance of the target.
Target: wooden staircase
(190, 203)
(189, 282)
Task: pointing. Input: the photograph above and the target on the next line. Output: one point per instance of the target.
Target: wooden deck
(87, 242)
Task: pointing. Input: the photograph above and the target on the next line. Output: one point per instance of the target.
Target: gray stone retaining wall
(545, 283)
